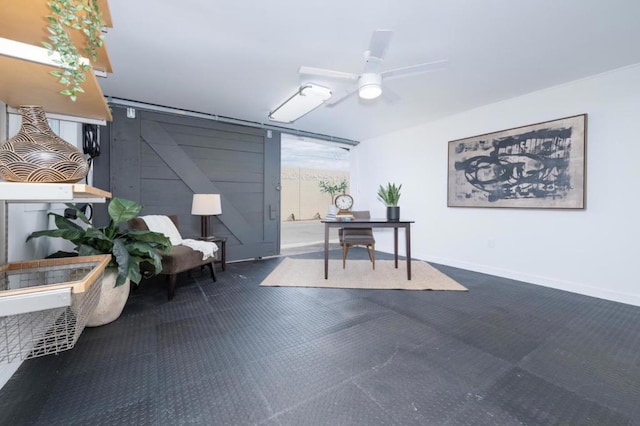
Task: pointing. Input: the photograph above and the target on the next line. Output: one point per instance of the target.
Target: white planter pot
(112, 299)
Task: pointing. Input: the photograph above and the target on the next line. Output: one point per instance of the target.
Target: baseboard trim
(7, 370)
(573, 287)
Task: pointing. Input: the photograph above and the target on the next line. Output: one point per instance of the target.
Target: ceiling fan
(369, 82)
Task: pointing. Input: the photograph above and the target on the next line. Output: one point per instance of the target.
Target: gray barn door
(161, 160)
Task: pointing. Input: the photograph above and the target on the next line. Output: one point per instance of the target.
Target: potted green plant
(129, 249)
(66, 16)
(332, 188)
(390, 195)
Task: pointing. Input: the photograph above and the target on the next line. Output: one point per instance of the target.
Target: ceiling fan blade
(320, 72)
(340, 96)
(414, 69)
(390, 96)
(379, 43)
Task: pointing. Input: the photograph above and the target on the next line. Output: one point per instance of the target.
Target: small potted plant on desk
(390, 195)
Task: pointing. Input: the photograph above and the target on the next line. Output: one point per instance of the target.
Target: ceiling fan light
(370, 91)
(370, 86)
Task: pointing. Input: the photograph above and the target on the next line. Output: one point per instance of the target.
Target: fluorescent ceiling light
(31, 53)
(370, 86)
(305, 100)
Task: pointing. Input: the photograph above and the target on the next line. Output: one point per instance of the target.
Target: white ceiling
(240, 59)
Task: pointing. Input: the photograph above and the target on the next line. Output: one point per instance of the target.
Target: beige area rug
(359, 274)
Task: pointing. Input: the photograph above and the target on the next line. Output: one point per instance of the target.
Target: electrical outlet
(491, 242)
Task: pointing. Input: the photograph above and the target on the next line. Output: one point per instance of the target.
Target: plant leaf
(121, 210)
(67, 234)
(389, 195)
(97, 234)
(123, 258)
(61, 253)
(87, 250)
(149, 254)
(64, 223)
(157, 239)
(134, 270)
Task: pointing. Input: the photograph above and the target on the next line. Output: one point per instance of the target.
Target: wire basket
(45, 304)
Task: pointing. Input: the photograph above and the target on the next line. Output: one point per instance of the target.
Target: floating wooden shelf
(51, 193)
(29, 83)
(27, 23)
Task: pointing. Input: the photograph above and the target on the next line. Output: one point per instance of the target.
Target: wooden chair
(358, 237)
(178, 259)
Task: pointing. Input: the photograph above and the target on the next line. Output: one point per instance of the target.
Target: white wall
(592, 251)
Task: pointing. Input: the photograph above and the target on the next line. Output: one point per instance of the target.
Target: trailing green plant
(390, 194)
(332, 188)
(82, 15)
(128, 247)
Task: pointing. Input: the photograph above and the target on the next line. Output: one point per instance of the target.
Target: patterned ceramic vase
(37, 154)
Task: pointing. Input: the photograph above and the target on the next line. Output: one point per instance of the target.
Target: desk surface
(369, 221)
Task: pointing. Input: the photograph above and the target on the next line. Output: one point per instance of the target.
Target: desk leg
(326, 251)
(224, 255)
(407, 232)
(395, 244)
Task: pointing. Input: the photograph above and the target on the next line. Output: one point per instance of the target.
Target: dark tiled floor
(232, 353)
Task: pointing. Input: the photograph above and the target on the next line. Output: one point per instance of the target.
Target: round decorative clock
(344, 202)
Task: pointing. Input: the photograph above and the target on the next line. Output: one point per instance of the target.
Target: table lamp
(205, 205)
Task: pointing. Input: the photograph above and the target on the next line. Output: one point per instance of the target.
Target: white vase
(333, 210)
(112, 299)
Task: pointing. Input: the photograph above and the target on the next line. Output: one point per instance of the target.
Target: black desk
(370, 223)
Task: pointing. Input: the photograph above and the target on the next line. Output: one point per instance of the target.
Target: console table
(222, 245)
(370, 223)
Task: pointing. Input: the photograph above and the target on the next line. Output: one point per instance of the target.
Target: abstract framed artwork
(536, 166)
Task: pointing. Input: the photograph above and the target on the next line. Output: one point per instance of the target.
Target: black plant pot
(393, 213)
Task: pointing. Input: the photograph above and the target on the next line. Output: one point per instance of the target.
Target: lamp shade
(206, 204)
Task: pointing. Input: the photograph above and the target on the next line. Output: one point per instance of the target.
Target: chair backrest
(140, 224)
(362, 214)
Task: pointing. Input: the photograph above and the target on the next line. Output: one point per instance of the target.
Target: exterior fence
(301, 198)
